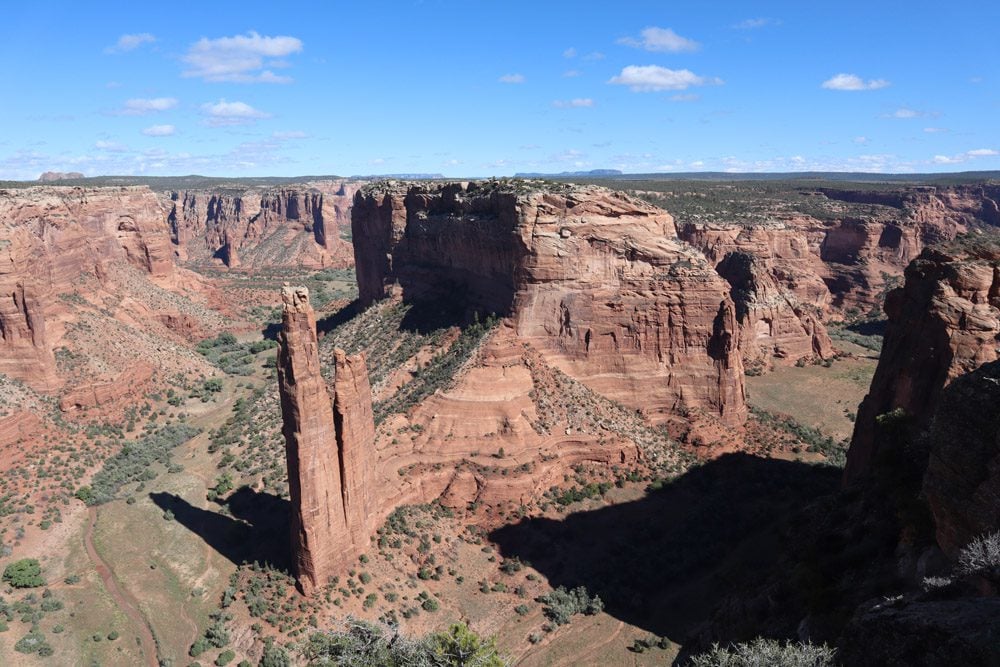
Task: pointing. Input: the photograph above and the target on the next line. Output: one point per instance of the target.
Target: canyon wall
(259, 228)
(329, 448)
(596, 280)
(843, 263)
(49, 238)
(944, 322)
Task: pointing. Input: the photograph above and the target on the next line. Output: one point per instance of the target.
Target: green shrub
(768, 652)
(24, 573)
(562, 604)
(32, 642)
(225, 658)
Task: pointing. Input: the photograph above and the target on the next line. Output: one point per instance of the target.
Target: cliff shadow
(324, 325)
(666, 561)
(256, 531)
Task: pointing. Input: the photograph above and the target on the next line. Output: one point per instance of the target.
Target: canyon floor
(143, 577)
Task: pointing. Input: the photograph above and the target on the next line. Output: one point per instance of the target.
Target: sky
(486, 88)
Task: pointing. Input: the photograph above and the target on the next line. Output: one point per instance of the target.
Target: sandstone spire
(328, 447)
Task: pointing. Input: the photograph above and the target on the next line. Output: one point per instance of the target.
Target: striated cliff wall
(49, 238)
(286, 226)
(596, 280)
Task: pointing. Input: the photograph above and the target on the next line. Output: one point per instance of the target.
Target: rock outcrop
(329, 449)
(962, 481)
(944, 322)
(49, 238)
(596, 280)
(260, 228)
(50, 176)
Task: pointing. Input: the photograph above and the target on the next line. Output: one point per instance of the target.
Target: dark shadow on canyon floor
(256, 531)
(665, 561)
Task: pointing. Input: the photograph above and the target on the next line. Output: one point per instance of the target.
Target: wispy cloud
(576, 103)
(685, 97)
(963, 157)
(660, 40)
(853, 82)
(570, 73)
(130, 42)
(289, 134)
(511, 78)
(932, 130)
(143, 106)
(569, 53)
(903, 112)
(653, 78)
(241, 58)
(231, 113)
(160, 131)
(754, 24)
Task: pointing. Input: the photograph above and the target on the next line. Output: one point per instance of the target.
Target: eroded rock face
(772, 322)
(329, 448)
(962, 481)
(281, 227)
(843, 264)
(49, 238)
(594, 279)
(944, 322)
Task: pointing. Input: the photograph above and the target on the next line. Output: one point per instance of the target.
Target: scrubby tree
(24, 573)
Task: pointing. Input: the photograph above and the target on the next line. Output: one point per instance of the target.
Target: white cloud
(861, 140)
(933, 130)
(571, 73)
(576, 103)
(753, 24)
(160, 131)
(569, 53)
(231, 113)
(660, 40)
(685, 97)
(240, 58)
(652, 78)
(905, 113)
(130, 42)
(289, 134)
(110, 146)
(967, 155)
(142, 106)
(594, 55)
(853, 82)
(512, 78)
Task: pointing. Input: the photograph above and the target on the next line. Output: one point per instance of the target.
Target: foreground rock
(328, 463)
(943, 323)
(597, 281)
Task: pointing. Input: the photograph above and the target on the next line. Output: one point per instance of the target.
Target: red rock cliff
(329, 449)
(596, 280)
(943, 323)
(287, 226)
(49, 237)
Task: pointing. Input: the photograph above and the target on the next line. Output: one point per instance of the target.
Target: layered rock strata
(280, 227)
(594, 279)
(49, 238)
(329, 465)
(944, 322)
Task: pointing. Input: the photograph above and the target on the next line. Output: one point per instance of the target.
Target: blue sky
(490, 88)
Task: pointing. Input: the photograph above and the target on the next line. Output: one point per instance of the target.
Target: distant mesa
(593, 173)
(51, 176)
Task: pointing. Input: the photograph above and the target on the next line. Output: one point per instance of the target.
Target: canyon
(516, 348)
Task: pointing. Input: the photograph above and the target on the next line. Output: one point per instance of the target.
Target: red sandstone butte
(594, 279)
(329, 448)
